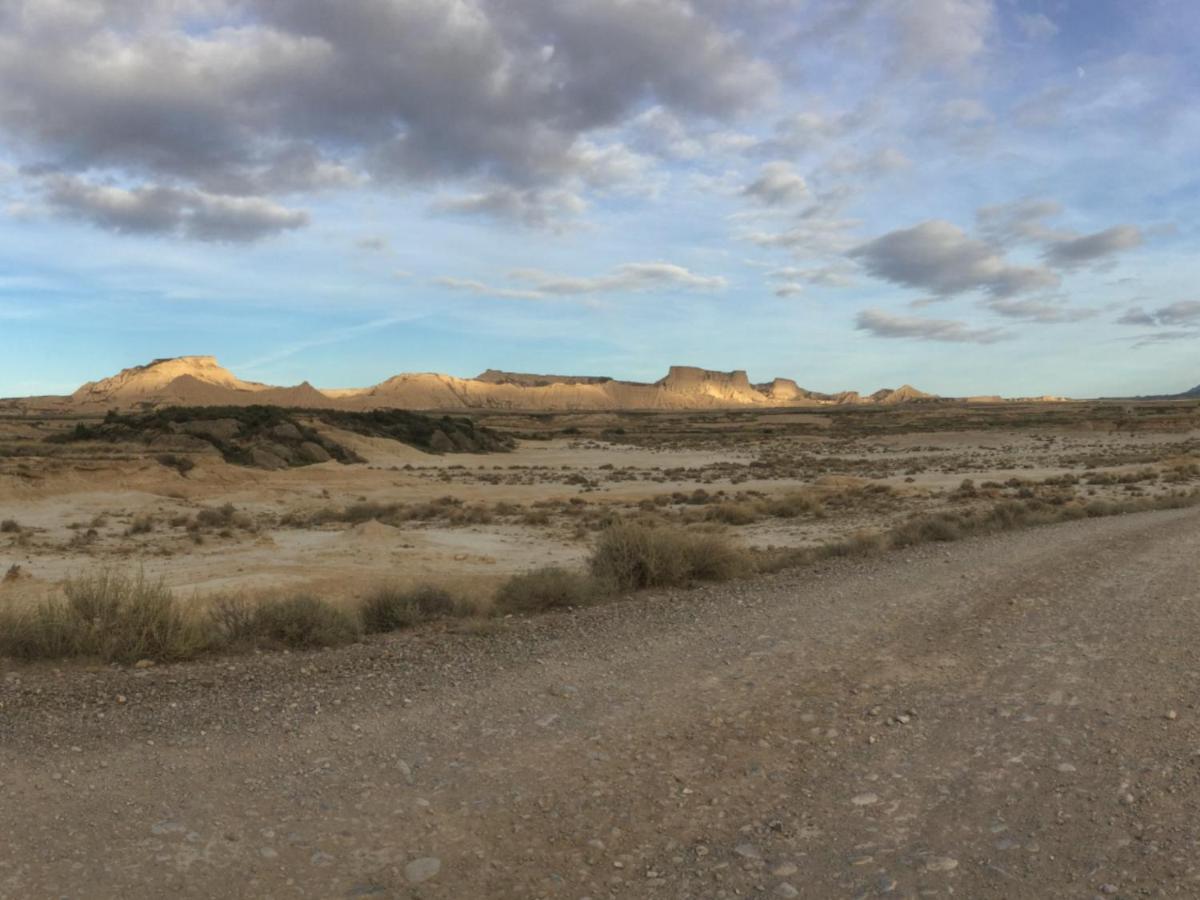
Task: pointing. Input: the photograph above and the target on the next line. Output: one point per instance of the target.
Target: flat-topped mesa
(156, 376)
(525, 379)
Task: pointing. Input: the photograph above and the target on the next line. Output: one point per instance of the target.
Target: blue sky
(974, 196)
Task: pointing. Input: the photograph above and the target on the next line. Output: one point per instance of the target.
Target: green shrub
(547, 588)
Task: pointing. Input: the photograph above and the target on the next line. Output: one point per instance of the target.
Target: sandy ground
(78, 510)
(1005, 717)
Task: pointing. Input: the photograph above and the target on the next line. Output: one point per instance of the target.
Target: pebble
(783, 870)
(786, 890)
(942, 864)
(747, 851)
(422, 869)
(865, 799)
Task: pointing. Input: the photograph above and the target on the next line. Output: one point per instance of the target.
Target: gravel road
(1006, 717)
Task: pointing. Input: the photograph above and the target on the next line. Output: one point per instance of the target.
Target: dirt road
(1010, 717)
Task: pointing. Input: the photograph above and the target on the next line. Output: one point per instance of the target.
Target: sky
(972, 196)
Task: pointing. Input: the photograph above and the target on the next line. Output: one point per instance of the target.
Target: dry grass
(631, 556)
(393, 609)
(107, 616)
(547, 588)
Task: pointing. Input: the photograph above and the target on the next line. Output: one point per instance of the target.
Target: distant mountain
(202, 381)
(1193, 393)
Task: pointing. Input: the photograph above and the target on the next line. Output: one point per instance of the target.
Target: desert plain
(931, 648)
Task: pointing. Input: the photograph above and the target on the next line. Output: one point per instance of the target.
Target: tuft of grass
(10, 526)
(631, 556)
(392, 609)
(303, 622)
(547, 588)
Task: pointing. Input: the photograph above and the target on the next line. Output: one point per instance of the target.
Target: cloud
(1036, 26)
(1020, 221)
(261, 97)
(1069, 253)
(938, 257)
(551, 208)
(1044, 311)
(940, 34)
(373, 243)
(824, 276)
(628, 278)
(153, 209)
(886, 325)
(778, 184)
(1181, 313)
(471, 286)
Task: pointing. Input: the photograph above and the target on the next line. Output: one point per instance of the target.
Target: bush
(630, 556)
(108, 617)
(547, 588)
(391, 609)
(303, 622)
(10, 526)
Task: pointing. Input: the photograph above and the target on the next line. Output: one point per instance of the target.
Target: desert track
(1006, 717)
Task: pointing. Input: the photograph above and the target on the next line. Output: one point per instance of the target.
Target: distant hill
(197, 381)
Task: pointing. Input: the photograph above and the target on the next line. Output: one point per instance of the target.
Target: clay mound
(903, 394)
(372, 531)
(161, 375)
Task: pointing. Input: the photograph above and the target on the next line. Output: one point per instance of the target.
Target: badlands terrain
(901, 693)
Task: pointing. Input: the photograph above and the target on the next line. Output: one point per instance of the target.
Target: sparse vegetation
(109, 617)
(303, 622)
(394, 609)
(631, 556)
(548, 588)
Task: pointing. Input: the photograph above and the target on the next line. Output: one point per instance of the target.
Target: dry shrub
(303, 622)
(10, 526)
(735, 513)
(546, 588)
(393, 609)
(106, 616)
(630, 556)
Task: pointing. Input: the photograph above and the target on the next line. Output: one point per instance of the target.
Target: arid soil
(1013, 716)
(468, 521)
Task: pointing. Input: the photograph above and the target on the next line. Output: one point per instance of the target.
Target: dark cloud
(1088, 249)
(171, 211)
(1181, 313)
(258, 97)
(938, 257)
(886, 325)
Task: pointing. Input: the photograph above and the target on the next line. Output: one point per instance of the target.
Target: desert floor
(1009, 716)
(468, 521)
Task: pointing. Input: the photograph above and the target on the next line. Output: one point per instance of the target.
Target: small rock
(143, 664)
(942, 864)
(786, 890)
(1108, 888)
(783, 870)
(1172, 715)
(747, 851)
(422, 869)
(865, 799)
